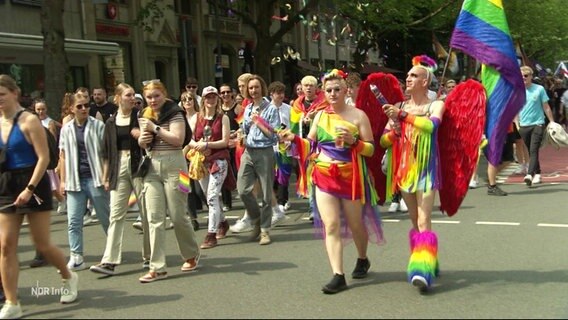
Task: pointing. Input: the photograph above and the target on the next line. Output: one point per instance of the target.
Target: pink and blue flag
(482, 32)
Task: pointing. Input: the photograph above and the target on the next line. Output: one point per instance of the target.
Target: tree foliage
(540, 26)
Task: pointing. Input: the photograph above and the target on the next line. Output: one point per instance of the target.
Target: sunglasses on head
(147, 82)
(82, 106)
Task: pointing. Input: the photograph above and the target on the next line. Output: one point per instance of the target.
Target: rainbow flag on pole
(482, 32)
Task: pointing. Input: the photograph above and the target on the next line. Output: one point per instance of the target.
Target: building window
(33, 3)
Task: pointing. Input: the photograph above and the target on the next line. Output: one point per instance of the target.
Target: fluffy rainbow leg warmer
(423, 264)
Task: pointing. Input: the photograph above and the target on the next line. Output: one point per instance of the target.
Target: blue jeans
(76, 207)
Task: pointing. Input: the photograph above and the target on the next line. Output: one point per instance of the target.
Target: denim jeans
(76, 207)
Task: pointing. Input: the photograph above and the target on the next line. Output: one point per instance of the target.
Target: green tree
(398, 28)
(260, 20)
(540, 27)
(56, 65)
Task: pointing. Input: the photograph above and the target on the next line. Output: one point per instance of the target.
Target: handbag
(143, 166)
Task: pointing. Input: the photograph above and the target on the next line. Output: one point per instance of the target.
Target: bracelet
(402, 114)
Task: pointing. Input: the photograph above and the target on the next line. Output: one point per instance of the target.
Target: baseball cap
(138, 96)
(208, 90)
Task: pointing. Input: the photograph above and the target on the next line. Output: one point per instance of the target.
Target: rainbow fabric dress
(298, 111)
(347, 177)
(413, 160)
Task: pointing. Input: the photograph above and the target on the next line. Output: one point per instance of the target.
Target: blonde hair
(527, 69)
(218, 107)
(119, 90)
(189, 94)
(309, 80)
(67, 103)
(156, 85)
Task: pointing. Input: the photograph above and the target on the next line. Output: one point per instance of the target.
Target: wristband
(402, 114)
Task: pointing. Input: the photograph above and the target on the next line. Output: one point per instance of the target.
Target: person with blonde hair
(25, 192)
(211, 138)
(162, 127)
(345, 199)
(121, 157)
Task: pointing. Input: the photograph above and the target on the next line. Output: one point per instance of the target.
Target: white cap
(138, 96)
(208, 90)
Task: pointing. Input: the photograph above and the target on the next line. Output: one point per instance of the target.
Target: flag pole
(444, 71)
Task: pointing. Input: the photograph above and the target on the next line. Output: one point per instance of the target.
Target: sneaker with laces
(264, 238)
(528, 180)
(11, 310)
(210, 241)
(153, 276)
(226, 209)
(281, 208)
(76, 263)
(137, 225)
(473, 184)
(242, 225)
(191, 264)
(104, 268)
(222, 230)
(70, 289)
(393, 207)
(277, 219)
(62, 207)
(403, 207)
(536, 179)
(88, 220)
(361, 268)
(495, 191)
(337, 284)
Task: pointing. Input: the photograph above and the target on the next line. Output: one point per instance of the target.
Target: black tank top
(233, 124)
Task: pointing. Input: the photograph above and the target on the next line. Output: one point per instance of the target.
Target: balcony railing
(226, 25)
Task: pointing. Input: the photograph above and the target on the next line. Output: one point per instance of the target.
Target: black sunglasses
(82, 106)
(526, 75)
(192, 86)
(226, 92)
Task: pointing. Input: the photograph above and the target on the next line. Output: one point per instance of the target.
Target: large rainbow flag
(482, 32)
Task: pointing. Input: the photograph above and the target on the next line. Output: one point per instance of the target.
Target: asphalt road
(500, 257)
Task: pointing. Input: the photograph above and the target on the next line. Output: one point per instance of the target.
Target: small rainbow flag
(183, 185)
(132, 199)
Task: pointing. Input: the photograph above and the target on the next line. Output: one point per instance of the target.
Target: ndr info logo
(38, 291)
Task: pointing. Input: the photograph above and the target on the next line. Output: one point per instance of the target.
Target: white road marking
(553, 225)
(446, 221)
(391, 220)
(495, 223)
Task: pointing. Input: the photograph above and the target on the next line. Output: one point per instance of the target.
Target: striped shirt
(93, 141)
(161, 145)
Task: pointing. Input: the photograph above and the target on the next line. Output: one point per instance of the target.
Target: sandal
(153, 276)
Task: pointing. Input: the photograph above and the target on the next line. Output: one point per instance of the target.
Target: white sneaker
(520, 170)
(536, 179)
(11, 311)
(403, 207)
(242, 225)
(278, 219)
(473, 184)
(281, 208)
(393, 207)
(137, 225)
(287, 206)
(76, 263)
(70, 289)
(62, 207)
(528, 180)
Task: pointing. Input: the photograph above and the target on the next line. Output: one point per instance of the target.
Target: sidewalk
(554, 167)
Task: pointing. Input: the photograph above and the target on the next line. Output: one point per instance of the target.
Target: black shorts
(515, 135)
(13, 182)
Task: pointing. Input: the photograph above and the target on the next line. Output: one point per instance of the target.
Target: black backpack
(51, 144)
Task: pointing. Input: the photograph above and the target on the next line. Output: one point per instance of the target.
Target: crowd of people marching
(171, 157)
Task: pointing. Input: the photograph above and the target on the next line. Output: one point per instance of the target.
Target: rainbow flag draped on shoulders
(298, 111)
(482, 32)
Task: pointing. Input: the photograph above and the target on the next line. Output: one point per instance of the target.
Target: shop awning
(14, 41)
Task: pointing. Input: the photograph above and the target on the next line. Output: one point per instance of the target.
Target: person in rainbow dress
(345, 199)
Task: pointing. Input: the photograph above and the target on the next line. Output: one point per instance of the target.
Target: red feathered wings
(459, 137)
(367, 101)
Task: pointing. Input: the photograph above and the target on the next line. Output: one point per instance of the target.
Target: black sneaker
(336, 284)
(195, 224)
(104, 268)
(495, 191)
(38, 262)
(361, 268)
